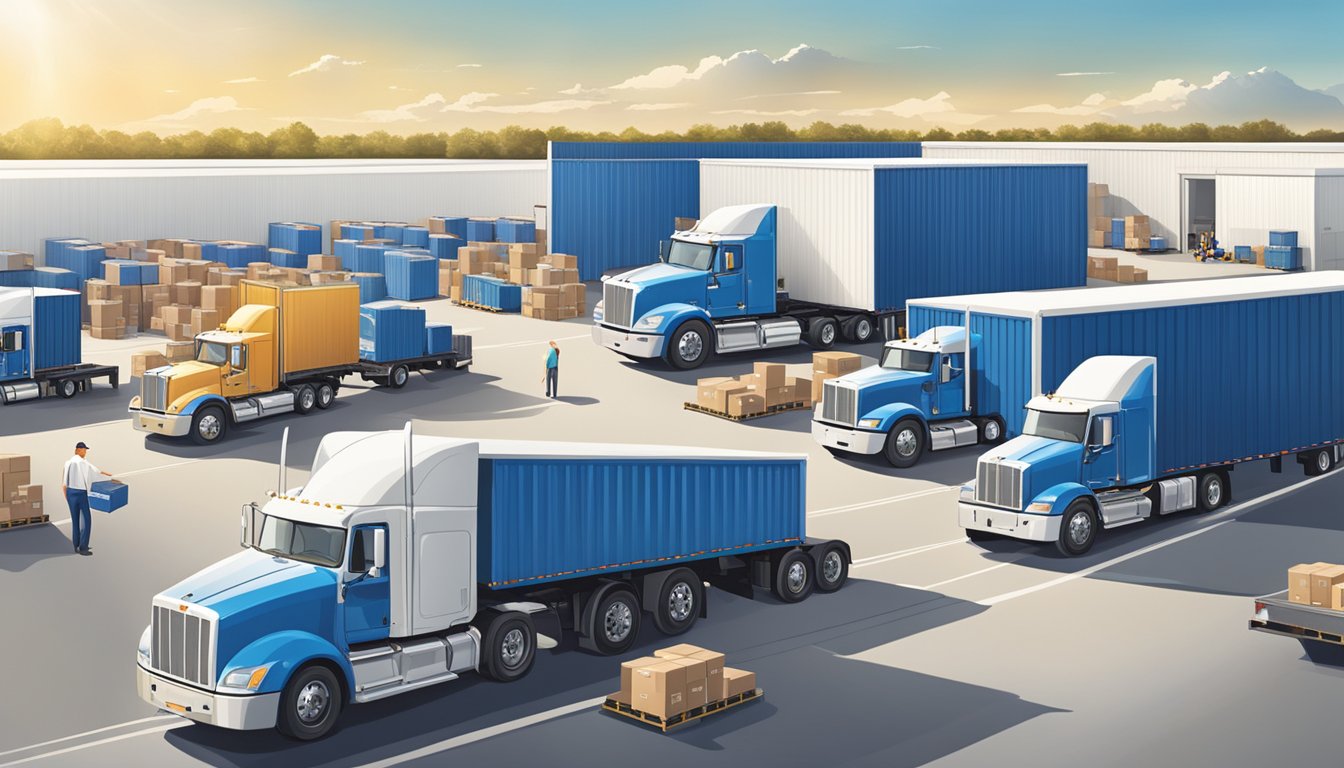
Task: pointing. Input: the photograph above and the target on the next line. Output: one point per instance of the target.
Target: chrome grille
(154, 390)
(181, 646)
(839, 403)
(999, 483)
(618, 304)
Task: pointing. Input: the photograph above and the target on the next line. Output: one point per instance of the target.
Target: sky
(407, 66)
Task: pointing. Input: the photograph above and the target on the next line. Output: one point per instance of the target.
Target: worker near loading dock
(77, 480)
(552, 377)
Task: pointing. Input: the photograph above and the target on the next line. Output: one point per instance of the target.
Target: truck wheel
(509, 646)
(1214, 491)
(1320, 462)
(310, 704)
(832, 567)
(615, 622)
(305, 398)
(67, 388)
(209, 425)
(689, 345)
(678, 603)
(821, 333)
(858, 330)
(326, 395)
(1077, 529)
(793, 580)
(991, 430)
(399, 376)
(905, 443)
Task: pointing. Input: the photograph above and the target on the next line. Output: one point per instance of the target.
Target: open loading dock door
(1199, 203)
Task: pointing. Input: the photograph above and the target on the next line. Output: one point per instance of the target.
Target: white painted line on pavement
(513, 344)
(31, 747)
(98, 743)
(156, 469)
(994, 567)
(484, 733)
(879, 502)
(875, 559)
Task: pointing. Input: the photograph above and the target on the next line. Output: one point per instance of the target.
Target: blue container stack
(453, 225)
(516, 231)
(415, 236)
(481, 230)
(209, 250)
(1243, 254)
(390, 331)
(356, 232)
(300, 237)
(1286, 238)
(345, 249)
(1283, 252)
(372, 286)
(411, 276)
(387, 230)
(283, 257)
(130, 272)
(438, 338)
(1117, 233)
(80, 256)
(17, 278)
(369, 258)
(63, 279)
(445, 246)
(492, 292)
(1157, 243)
(239, 255)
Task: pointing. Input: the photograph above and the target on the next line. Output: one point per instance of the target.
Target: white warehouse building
(1238, 191)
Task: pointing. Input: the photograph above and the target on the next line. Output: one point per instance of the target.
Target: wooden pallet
(22, 521)
(482, 307)
(769, 411)
(615, 705)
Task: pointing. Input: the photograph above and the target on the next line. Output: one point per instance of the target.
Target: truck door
(14, 352)
(1102, 464)
(950, 380)
(368, 598)
(235, 377)
(727, 292)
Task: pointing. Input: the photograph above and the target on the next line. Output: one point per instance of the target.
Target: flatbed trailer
(65, 382)
(1319, 630)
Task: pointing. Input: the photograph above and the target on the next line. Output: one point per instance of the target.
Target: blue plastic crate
(388, 230)
(445, 246)
(130, 273)
(516, 231)
(109, 495)
(1283, 237)
(1118, 225)
(438, 338)
(411, 276)
(416, 236)
(453, 225)
(1283, 257)
(345, 249)
(369, 258)
(209, 250)
(1118, 239)
(390, 330)
(283, 257)
(298, 236)
(481, 230)
(1243, 254)
(372, 287)
(1157, 243)
(234, 256)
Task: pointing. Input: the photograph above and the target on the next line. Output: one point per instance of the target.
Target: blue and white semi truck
(1142, 400)
(41, 346)
(407, 561)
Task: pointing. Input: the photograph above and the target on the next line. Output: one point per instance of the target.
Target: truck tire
(614, 624)
(508, 646)
(832, 566)
(1077, 529)
(858, 329)
(905, 443)
(689, 346)
(793, 576)
(1319, 462)
(305, 399)
(310, 704)
(991, 430)
(67, 388)
(326, 395)
(821, 332)
(398, 376)
(678, 602)
(1213, 491)
(209, 425)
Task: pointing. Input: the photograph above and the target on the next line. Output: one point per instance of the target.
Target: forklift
(1208, 249)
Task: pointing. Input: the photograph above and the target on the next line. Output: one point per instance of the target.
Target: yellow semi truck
(286, 349)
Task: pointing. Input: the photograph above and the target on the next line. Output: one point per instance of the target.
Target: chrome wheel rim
(325, 395)
(312, 703)
(1080, 529)
(617, 622)
(991, 430)
(828, 333)
(68, 388)
(1213, 493)
(680, 602)
(1323, 461)
(863, 329)
(830, 567)
(690, 345)
(307, 399)
(796, 576)
(906, 442)
(513, 648)
(209, 426)
(399, 376)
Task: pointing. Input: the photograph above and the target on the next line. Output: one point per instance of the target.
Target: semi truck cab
(919, 397)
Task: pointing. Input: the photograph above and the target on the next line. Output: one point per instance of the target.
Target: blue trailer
(1136, 401)
(406, 561)
(40, 346)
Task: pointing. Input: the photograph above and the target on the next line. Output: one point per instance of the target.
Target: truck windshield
(212, 352)
(1056, 426)
(693, 255)
(907, 360)
(309, 543)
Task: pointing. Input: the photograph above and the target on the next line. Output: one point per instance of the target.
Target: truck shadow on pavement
(797, 651)
(950, 467)
(102, 403)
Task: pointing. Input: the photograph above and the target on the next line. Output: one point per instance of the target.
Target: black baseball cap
(81, 444)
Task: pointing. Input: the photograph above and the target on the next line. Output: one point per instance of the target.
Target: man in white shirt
(76, 481)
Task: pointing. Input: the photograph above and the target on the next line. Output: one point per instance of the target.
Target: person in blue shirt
(552, 377)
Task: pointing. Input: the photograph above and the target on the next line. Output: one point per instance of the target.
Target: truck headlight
(649, 322)
(1040, 507)
(246, 678)
(142, 651)
(869, 423)
(968, 491)
(598, 311)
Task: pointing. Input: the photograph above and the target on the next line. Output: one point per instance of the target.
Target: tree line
(50, 139)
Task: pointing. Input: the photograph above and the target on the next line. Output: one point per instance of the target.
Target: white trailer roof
(525, 449)
(863, 163)
(1072, 301)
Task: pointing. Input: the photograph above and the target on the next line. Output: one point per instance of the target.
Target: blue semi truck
(1140, 401)
(407, 561)
(41, 346)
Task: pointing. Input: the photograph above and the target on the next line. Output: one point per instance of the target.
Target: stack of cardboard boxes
(829, 365)
(1110, 268)
(754, 394)
(1138, 233)
(551, 291)
(1098, 202)
(1318, 584)
(677, 680)
(19, 498)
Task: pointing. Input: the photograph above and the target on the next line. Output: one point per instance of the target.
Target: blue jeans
(553, 382)
(81, 523)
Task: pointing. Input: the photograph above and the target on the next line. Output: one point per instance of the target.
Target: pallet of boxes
(1098, 203)
(765, 391)
(1109, 268)
(20, 500)
(679, 685)
(1317, 584)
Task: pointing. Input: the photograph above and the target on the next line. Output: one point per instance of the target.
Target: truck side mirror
(945, 373)
(379, 552)
(664, 250)
(247, 523)
(1107, 431)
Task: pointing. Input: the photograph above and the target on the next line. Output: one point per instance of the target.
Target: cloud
(214, 105)
(326, 63)
(171, 90)
(749, 71)
(475, 102)
(578, 90)
(397, 88)
(1232, 99)
(794, 93)
(917, 48)
(1164, 96)
(242, 81)
(657, 107)
(470, 66)
(937, 109)
(670, 76)
(403, 113)
(1091, 105)
(1081, 74)
(468, 102)
(767, 113)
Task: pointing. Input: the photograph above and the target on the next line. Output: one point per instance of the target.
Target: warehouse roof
(1149, 146)
(65, 169)
(884, 163)
(1070, 301)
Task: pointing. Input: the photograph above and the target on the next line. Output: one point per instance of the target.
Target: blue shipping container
(372, 286)
(300, 237)
(390, 331)
(209, 250)
(544, 518)
(613, 202)
(345, 249)
(515, 230)
(1283, 237)
(445, 246)
(369, 258)
(1198, 423)
(388, 230)
(481, 230)
(411, 277)
(453, 225)
(356, 232)
(416, 236)
(109, 495)
(53, 316)
(438, 338)
(239, 255)
(283, 257)
(64, 279)
(492, 292)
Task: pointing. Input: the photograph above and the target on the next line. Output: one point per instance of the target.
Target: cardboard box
(172, 272)
(779, 396)
(1323, 580)
(1098, 190)
(684, 224)
(802, 389)
(204, 320)
(628, 672)
(186, 292)
(178, 331)
(112, 333)
(696, 669)
(1097, 239)
(723, 393)
(1125, 273)
(324, 263)
(1140, 275)
(11, 260)
(575, 294)
(678, 650)
(836, 363)
(563, 260)
(1136, 243)
(145, 360)
(1337, 598)
(769, 375)
(178, 351)
(15, 462)
(99, 290)
(737, 681)
(697, 692)
(659, 689)
(104, 313)
(745, 404)
(175, 314)
(713, 672)
(10, 482)
(706, 390)
(220, 298)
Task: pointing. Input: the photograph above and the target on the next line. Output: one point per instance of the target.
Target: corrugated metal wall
(955, 230)
(238, 202)
(1240, 392)
(1329, 229)
(542, 520)
(824, 225)
(611, 203)
(1250, 205)
(57, 340)
(1004, 358)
